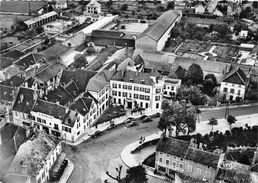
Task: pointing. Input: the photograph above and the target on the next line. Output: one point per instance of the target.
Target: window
(130, 95)
(158, 90)
(43, 121)
(119, 94)
(172, 87)
(39, 120)
(199, 171)
(124, 94)
(225, 90)
(136, 88)
(160, 160)
(167, 162)
(208, 174)
(114, 93)
(142, 97)
(147, 98)
(141, 89)
(160, 168)
(238, 92)
(136, 96)
(157, 98)
(124, 86)
(147, 90)
(129, 87)
(174, 164)
(119, 85)
(157, 105)
(114, 85)
(181, 166)
(232, 90)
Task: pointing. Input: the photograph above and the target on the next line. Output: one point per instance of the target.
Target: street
(96, 156)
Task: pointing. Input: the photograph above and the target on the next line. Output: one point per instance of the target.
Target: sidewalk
(103, 126)
(224, 106)
(68, 171)
(202, 128)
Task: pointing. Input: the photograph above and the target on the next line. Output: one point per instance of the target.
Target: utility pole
(227, 110)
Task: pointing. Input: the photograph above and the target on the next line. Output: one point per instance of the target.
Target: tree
(118, 177)
(194, 74)
(213, 122)
(170, 5)
(222, 29)
(39, 30)
(136, 174)
(79, 61)
(209, 83)
(160, 8)
(255, 4)
(124, 7)
(231, 120)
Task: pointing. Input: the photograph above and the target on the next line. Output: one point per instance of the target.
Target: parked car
(133, 123)
(128, 120)
(111, 126)
(143, 117)
(147, 119)
(158, 114)
(96, 134)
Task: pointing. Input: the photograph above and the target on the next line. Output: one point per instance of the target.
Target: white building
(171, 86)
(93, 7)
(41, 20)
(155, 36)
(137, 89)
(35, 158)
(234, 85)
(61, 4)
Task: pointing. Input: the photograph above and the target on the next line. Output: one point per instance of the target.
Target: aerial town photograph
(129, 91)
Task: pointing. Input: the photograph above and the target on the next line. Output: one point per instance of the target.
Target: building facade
(93, 7)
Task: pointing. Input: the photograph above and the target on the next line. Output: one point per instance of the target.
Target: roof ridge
(240, 75)
(84, 103)
(66, 91)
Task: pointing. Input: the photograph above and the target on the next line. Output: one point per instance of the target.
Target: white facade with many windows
(232, 91)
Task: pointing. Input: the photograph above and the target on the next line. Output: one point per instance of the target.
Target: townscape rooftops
(93, 3)
(135, 77)
(8, 131)
(32, 154)
(5, 62)
(107, 34)
(7, 93)
(23, 7)
(157, 30)
(28, 60)
(82, 105)
(15, 54)
(80, 76)
(176, 72)
(49, 108)
(50, 72)
(60, 95)
(14, 81)
(89, 95)
(72, 89)
(236, 76)
(41, 17)
(55, 51)
(173, 147)
(25, 100)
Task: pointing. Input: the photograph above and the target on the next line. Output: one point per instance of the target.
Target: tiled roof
(24, 101)
(8, 131)
(7, 93)
(21, 6)
(177, 72)
(60, 95)
(80, 76)
(49, 108)
(202, 157)
(100, 81)
(161, 25)
(135, 77)
(107, 33)
(236, 76)
(50, 72)
(173, 147)
(33, 154)
(72, 89)
(13, 54)
(55, 51)
(82, 105)
(28, 60)
(138, 60)
(93, 3)
(70, 118)
(89, 95)
(14, 81)
(5, 62)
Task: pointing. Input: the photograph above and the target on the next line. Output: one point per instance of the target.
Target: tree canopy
(171, 5)
(209, 83)
(194, 74)
(136, 174)
(80, 61)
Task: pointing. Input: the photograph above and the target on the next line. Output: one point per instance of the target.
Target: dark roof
(99, 61)
(21, 6)
(173, 147)
(135, 77)
(158, 29)
(236, 76)
(50, 72)
(81, 47)
(59, 95)
(15, 54)
(14, 81)
(5, 62)
(82, 105)
(80, 76)
(56, 50)
(202, 157)
(49, 108)
(7, 93)
(177, 72)
(8, 131)
(138, 60)
(28, 60)
(72, 89)
(70, 118)
(89, 95)
(24, 101)
(107, 33)
(254, 168)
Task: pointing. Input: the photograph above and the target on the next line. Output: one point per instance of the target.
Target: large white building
(155, 36)
(234, 85)
(93, 7)
(137, 89)
(35, 158)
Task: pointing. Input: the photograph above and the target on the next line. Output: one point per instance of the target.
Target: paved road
(95, 157)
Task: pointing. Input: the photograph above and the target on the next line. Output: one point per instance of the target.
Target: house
(171, 86)
(41, 20)
(243, 34)
(61, 4)
(99, 88)
(173, 155)
(156, 35)
(93, 7)
(234, 85)
(199, 9)
(7, 97)
(5, 63)
(137, 89)
(35, 157)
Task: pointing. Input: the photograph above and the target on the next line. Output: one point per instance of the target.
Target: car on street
(142, 117)
(147, 119)
(133, 123)
(128, 120)
(96, 134)
(111, 126)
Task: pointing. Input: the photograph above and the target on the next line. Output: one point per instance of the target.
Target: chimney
(142, 81)
(255, 157)
(21, 97)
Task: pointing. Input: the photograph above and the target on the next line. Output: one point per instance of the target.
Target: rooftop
(28, 60)
(7, 93)
(14, 81)
(25, 100)
(32, 154)
(72, 89)
(23, 7)
(236, 76)
(15, 54)
(5, 62)
(59, 95)
(93, 3)
(157, 30)
(82, 105)
(53, 52)
(41, 17)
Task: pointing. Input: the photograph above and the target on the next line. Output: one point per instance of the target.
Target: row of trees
(230, 119)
